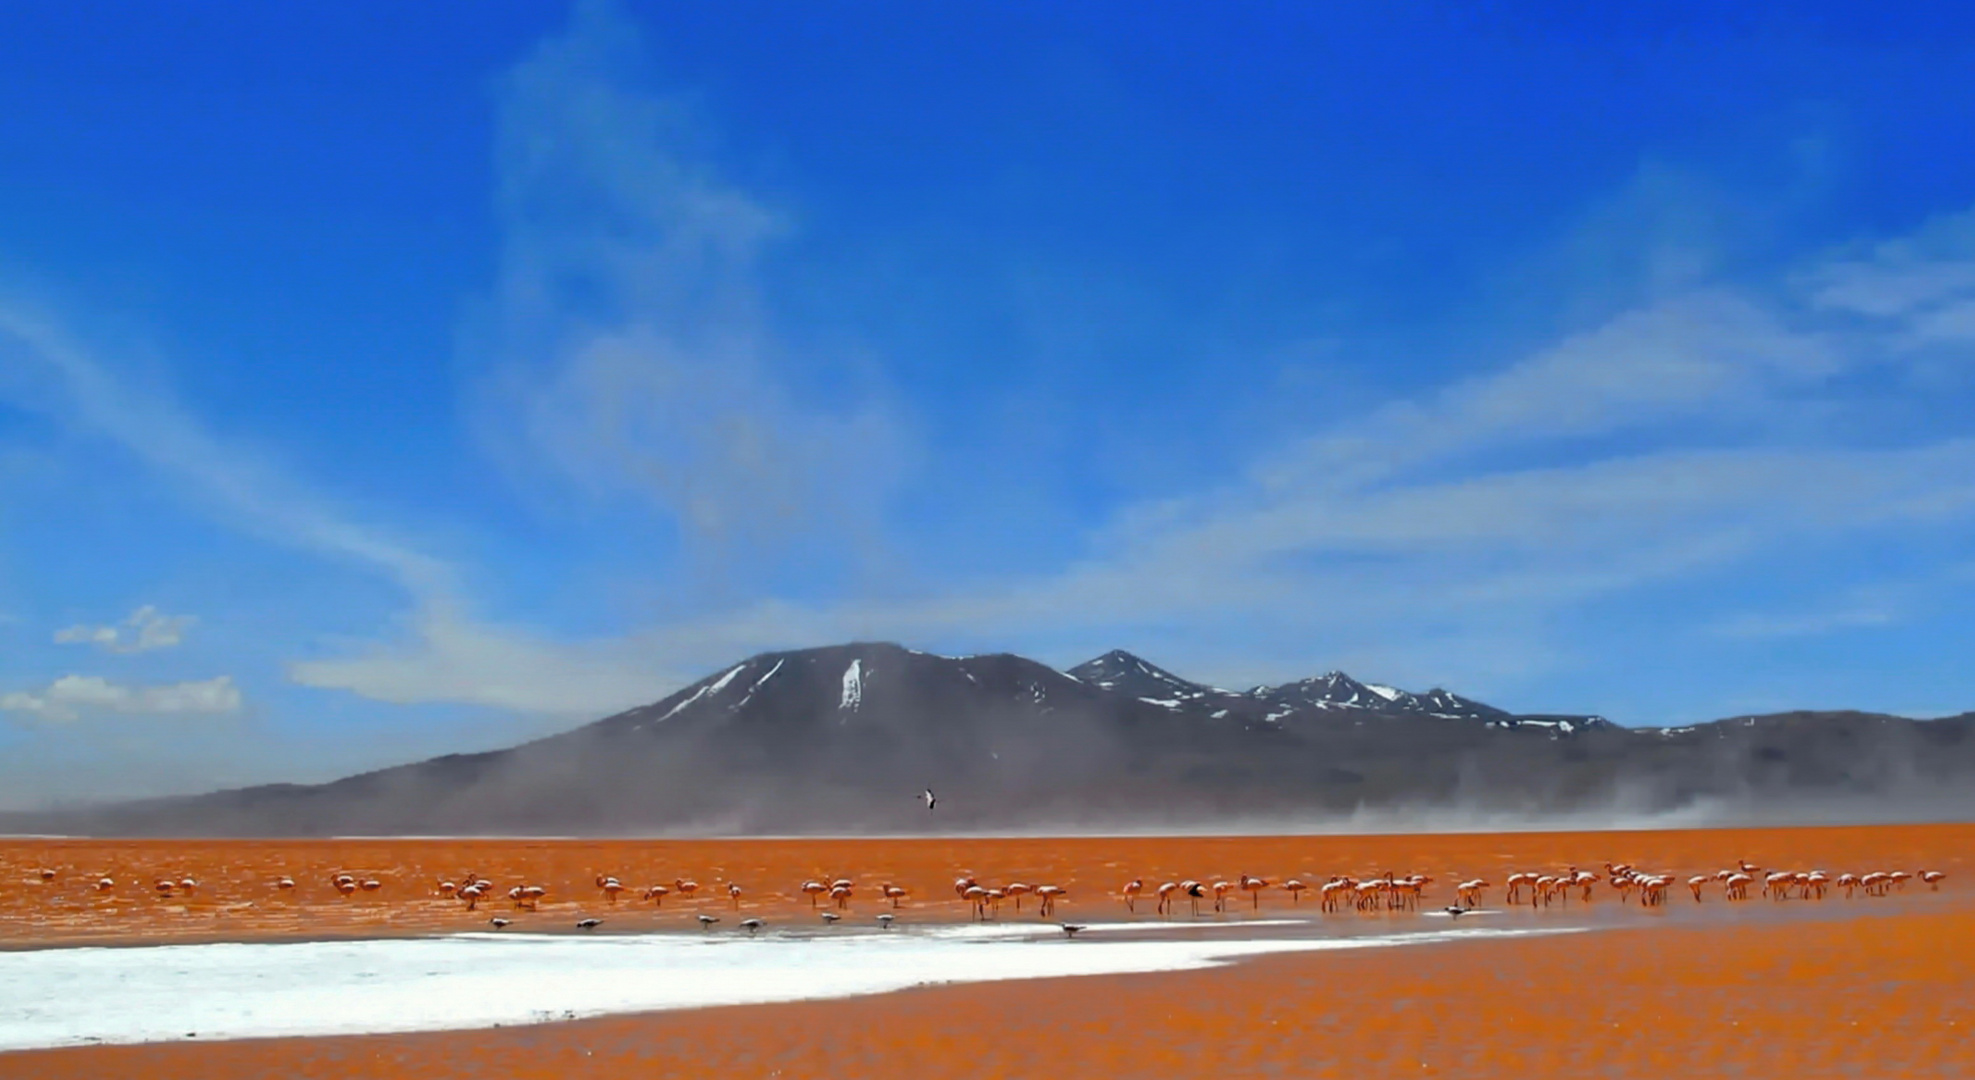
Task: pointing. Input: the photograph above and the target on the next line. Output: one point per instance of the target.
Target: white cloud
(72, 697)
(146, 629)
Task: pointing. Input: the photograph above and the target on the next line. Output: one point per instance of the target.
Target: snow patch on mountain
(853, 686)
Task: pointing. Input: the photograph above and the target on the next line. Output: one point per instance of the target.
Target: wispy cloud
(74, 697)
(54, 372)
(625, 353)
(146, 629)
(447, 656)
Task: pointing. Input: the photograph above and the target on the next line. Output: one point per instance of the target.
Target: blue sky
(376, 384)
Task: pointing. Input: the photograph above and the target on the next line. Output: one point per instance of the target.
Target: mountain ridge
(842, 738)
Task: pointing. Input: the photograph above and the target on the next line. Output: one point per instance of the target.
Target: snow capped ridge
(1334, 693)
(835, 681)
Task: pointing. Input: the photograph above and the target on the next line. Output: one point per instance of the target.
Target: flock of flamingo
(1386, 892)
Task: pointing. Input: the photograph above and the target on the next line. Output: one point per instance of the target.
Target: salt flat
(151, 993)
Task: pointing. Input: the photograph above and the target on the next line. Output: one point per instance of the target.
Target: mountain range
(844, 738)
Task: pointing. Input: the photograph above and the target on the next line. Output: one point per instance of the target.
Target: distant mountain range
(842, 739)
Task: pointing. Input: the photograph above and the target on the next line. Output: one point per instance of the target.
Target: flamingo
(1738, 886)
(686, 888)
(188, 884)
(1254, 886)
(1131, 890)
(611, 887)
(814, 889)
(1048, 895)
(1221, 890)
(1165, 891)
(734, 894)
(977, 896)
(1776, 885)
(1468, 893)
(105, 884)
(164, 887)
(1933, 878)
(1017, 890)
(841, 894)
(1193, 895)
(370, 885)
(285, 883)
(896, 893)
(1696, 883)
(656, 894)
(1294, 887)
(961, 885)
(46, 874)
(1584, 880)
(448, 888)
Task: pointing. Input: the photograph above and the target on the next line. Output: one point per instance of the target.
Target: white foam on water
(70, 996)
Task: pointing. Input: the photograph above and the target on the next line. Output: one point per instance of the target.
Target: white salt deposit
(70, 996)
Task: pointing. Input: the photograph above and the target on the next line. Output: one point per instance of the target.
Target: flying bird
(929, 798)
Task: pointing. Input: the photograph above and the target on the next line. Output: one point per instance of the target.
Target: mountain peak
(1126, 673)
